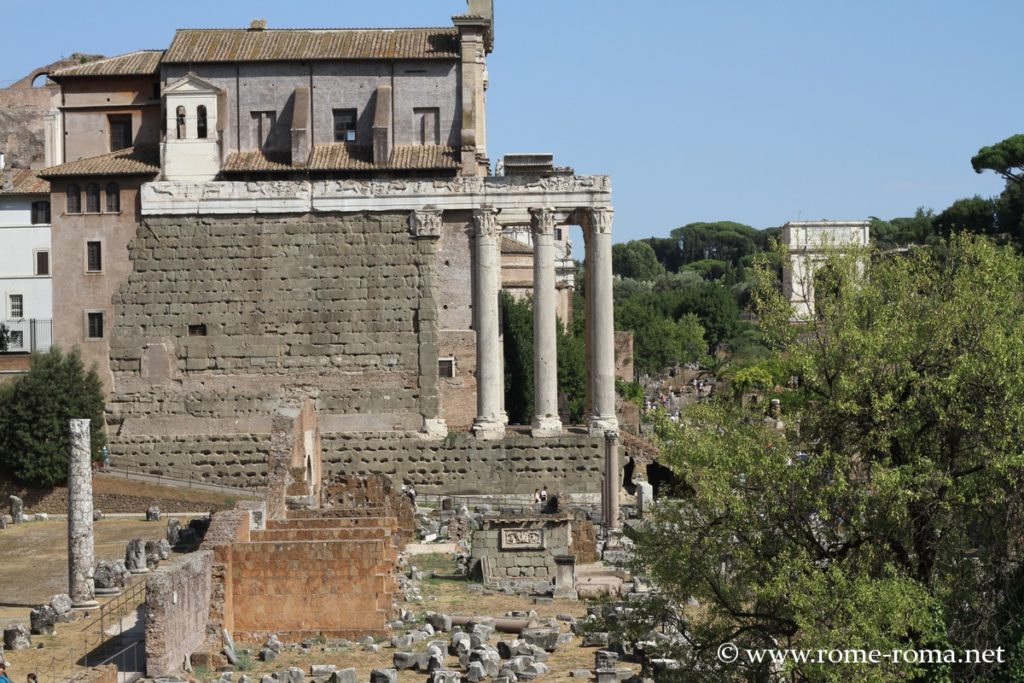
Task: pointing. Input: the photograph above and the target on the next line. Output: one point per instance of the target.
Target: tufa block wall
(177, 611)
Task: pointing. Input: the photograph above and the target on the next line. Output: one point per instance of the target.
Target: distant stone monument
(808, 244)
(80, 539)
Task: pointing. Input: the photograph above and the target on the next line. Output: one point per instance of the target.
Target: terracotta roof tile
(142, 160)
(346, 157)
(22, 181)
(246, 45)
(511, 246)
(140, 63)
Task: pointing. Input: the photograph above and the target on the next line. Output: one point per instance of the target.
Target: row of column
(491, 419)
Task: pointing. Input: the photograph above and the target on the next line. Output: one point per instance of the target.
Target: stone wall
(105, 673)
(177, 611)
(228, 318)
(522, 548)
(458, 465)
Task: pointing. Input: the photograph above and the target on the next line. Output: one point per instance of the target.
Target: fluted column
(490, 382)
(601, 327)
(545, 349)
(81, 586)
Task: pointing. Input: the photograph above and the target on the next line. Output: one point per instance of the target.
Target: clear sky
(757, 112)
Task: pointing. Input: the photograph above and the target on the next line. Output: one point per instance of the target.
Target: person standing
(3, 671)
(544, 495)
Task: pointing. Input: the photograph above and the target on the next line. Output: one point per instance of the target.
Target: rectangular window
(446, 368)
(120, 131)
(263, 123)
(197, 330)
(558, 234)
(94, 325)
(425, 120)
(42, 262)
(40, 213)
(16, 340)
(15, 306)
(93, 257)
(344, 125)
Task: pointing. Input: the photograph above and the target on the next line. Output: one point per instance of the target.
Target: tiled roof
(140, 63)
(142, 160)
(347, 157)
(22, 181)
(193, 45)
(511, 246)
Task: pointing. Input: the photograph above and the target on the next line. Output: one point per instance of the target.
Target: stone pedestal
(80, 538)
(490, 383)
(601, 323)
(565, 577)
(644, 497)
(545, 324)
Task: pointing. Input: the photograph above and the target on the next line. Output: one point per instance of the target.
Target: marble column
(425, 226)
(545, 324)
(81, 586)
(490, 382)
(610, 504)
(601, 327)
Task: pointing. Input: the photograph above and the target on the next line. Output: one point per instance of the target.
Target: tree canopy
(637, 260)
(1005, 158)
(888, 514)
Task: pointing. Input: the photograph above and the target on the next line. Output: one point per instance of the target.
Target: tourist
(411, 492)
(3, 672)
(536, 495)
(544, 495)
(32, 678)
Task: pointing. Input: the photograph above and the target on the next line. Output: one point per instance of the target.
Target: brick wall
(177, 611)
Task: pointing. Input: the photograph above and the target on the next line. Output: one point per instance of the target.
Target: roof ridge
(325, 28)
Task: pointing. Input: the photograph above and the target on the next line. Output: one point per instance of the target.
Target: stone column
(610, 504)
(545, 322)
(601, 323)
(490, 385)
(425, 226)
(81, 587)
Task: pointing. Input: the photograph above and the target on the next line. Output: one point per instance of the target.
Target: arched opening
(39, 79)
(92, 198)
(825, 289)
(201, 121)
(113, 198)
(74, 199)
(179, 117)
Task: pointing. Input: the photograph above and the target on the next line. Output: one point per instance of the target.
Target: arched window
(180, 118)
(92, 198)
(201, 121)
(74, 199)
(113, 198)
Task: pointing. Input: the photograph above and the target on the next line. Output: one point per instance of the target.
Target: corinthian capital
(485, 222)
(542, 221)
(600, 220)
(425, 223)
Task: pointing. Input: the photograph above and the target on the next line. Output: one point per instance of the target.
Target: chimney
(258, 25)
(382, 137)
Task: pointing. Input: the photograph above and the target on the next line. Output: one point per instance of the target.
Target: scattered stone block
(322, 669)
(135, 556)
(42, 620)
(153, 514)
(61, 604)
(384, 676)
(229, 647)
(408, 660)
(596, 639)
(543, 637)
(344, 676)
(605, 659)
(446, 677)
(607, 676)
(16, 636)
(17, 510)
(475, 673)
(267, 655)
(41, 517)
(97, 515)
(401, 641)
(579, 673)
(294, 675)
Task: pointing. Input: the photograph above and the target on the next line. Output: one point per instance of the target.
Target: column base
(546, 426)
(434, 429)
(489, 430)
(601, 424)
(84, 604)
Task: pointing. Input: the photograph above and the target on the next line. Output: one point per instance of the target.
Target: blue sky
(758, 112)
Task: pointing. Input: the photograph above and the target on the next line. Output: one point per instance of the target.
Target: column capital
(600, 220)
(485, 222)
(425, 223)
(542, 221)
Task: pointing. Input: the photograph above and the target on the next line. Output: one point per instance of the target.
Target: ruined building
(254, 217)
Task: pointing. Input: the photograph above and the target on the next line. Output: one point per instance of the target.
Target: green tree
(975, 214)
(722, 240)
(517, 318)
(637, 260)
(888, 515)
(1005, 158)
(667, 251)
(34, 413)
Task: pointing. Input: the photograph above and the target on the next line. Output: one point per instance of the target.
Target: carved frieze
(522, 539)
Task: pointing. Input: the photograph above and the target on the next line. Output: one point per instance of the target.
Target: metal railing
(28, 334)
(182, 477)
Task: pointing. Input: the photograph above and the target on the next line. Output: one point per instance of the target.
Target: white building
(809, 244)
(25, 265)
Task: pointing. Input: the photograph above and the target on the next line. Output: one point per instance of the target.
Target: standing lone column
(81, 586)
(601, 327)
(545, 322)
(490, 383)
(611, 480)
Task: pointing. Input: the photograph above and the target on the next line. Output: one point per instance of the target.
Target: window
(42, 258)
(15, 306)
(16, 340)
(40, 212)
(113, 198)
(179, 122)
(94, 325)
(263, 128)
(201, 121)
(120, 131)
(92, 198)
(425, 121)
(93, 257)
(344, 125)
(558, 234)
(446, 367)
(74, 199)
(197, 330)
